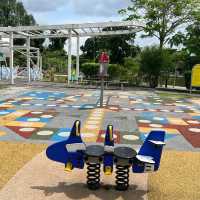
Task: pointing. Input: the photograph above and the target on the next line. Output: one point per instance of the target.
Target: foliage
(57, 44)
(189, 39)
(13, 13)
(133, 67)
(151, 65)
(56, 60)
(118, 46)
(168, 65)
(114, 71)
(90, 69)
(162, 18)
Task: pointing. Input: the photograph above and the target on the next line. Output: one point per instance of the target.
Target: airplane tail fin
(76, 131)
(109, 149)
(58, 151)
(149, 155)
(109, 139)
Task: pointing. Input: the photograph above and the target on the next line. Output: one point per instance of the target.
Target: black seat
(124, 152)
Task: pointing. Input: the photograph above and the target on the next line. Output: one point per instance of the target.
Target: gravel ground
(13, 156)
(178, 177)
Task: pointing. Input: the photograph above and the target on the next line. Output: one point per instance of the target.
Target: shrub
(133, 67)
(90, 69)
(114, 71)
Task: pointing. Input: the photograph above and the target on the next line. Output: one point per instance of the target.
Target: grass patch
(178, 177)
(14, 156)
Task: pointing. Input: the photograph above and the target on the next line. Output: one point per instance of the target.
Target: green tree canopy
(57, 44)
(118, 46)
(162, 17)
(13, 13)
(190, 39)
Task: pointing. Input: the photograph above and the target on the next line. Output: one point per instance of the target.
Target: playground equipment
(33, 71)
(65, 31)
(5, 72)
(74, 153)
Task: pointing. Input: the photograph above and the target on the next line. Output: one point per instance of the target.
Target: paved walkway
(43, 179)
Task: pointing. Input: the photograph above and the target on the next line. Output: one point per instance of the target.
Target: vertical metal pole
(38, 63)
(11, 58)
(102, 89)
(28, 58)
(40, 67)
(69, 56)
(38, 58)
(77, 57)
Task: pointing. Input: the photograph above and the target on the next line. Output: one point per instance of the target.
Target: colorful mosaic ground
(43, 116)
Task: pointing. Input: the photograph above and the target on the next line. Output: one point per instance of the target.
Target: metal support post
(28, 58)
(41, 67)
(11, 58)
(77, 58)
(38, 58)
(69, 56)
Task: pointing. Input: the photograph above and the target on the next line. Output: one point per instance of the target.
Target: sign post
(103, 61)
(195, 77)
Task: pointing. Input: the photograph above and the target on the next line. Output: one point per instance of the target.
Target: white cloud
(106, 8)
(43, 5)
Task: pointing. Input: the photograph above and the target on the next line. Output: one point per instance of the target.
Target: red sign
(104, 58)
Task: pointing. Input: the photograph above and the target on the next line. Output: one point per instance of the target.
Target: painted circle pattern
(194, 130)
(130, 137)
(26, 129)
(45, 133)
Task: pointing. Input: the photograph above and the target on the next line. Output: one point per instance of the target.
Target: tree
(189, 39)
(168, 64)
(89, 48)
(133, 67)
(151, 65)
(57, 44)
(162, 17)
(118, 46)
(13, 13)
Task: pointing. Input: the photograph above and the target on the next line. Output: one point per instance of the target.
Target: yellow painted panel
(194, 114)
(176, 121)
(96, 116)
(14, 115)
(25, 124)
(6, 106)
(2, 133)
(196, 76)
(3, 122)
(168, 130)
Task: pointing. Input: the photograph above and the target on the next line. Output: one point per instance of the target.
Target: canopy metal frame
(66, 31)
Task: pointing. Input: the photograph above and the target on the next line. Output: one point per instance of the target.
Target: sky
(49, 12)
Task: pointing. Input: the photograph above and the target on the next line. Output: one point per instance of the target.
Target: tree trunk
(161, 44)
(166, 83)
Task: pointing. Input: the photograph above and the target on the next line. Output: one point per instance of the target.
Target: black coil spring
(93, 175)
(122, 177)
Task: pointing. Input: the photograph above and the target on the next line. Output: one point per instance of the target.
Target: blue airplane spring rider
(74, 153)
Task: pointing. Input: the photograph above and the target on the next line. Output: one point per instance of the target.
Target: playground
(35, 118)
(89, 111)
